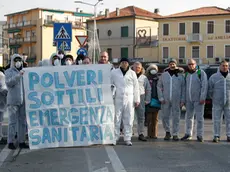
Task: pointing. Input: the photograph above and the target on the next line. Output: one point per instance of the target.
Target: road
(151, 156)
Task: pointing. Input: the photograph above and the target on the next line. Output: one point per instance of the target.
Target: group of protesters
(135, 92)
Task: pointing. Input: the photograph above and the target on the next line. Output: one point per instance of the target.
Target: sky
(166, 7)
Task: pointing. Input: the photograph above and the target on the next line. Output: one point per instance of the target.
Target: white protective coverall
(145, 96)
(3, 94)
(219, 91)
(196, 90)
(16, 103)
(171, 89)
(127, 93)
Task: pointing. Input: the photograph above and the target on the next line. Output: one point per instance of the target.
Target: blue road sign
(82, 51)
(62, 32)
(64, 45)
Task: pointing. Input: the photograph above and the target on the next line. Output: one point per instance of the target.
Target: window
(109, 51)
(49, 17)
(210, 27)
(98, 33)
(182, 29)
(227, 26)
(24, 18)
(195, 27)
(227, 51)
(182, 52)
(124, 52)
(195, 52)
(125, 31)
(165, 52)
(210, 51)
(165, 29)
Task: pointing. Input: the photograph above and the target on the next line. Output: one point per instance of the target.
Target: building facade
(202, 34)
(31, 32)
(128, 32)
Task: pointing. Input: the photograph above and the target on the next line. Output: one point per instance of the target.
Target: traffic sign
(65, 45)
(81, 39)
(62, 32)
(82, 51)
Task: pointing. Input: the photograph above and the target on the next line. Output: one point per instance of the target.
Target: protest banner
(69, 106)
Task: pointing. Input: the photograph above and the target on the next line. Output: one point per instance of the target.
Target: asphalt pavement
(152, 156)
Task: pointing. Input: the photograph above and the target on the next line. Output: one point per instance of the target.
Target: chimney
(106, 12)
(77, 9)
(117, 11)
(156, 10)
(228, 8)
(81, 11)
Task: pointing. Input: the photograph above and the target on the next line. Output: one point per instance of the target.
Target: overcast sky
(166, 6)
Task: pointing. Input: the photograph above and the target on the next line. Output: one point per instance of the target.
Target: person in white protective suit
(196, 92)
(3, 94)
(145, 95)
(127, 97)
(55, 60)
(171, 94)
(219, 92)
(16, 103)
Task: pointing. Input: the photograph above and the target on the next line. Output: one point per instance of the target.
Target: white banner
(69, 106)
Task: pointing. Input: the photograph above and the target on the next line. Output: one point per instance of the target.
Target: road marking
(104, 169)
(116, 163)
(4, 154)
(89, 162)
(16, 152)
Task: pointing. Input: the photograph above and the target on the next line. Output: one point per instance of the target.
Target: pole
(94, 36)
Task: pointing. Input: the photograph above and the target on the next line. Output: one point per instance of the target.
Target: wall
(174, 40)
(115, 41)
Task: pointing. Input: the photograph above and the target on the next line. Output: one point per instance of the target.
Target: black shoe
(23, 145)
(176, 138)
(216, 139)
(153, 137)
(186, 137)
(142, 138)
(200, 139)
(167, 136)
(3, 141)
(11, 146)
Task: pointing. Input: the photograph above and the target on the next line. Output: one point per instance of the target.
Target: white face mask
(56, 62)
(68, 62)
(153, 72)
(61, 56)
(18, 64)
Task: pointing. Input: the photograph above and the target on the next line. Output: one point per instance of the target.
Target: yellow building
(203, 34)
(31, 32)
(128, 32)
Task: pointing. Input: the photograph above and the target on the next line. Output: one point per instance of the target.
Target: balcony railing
(197, 37)
(75, 24)
(16, 41)
(30, 39)
(20, 24)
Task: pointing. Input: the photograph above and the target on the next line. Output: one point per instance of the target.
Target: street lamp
(95, 26)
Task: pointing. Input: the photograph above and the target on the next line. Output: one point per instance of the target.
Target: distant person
(55, 60)
(67, 60)
(104, 58)
(87, 60)
(219, 91)
(79, 59)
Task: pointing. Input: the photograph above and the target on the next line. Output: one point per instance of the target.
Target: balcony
(194, 38)
(19, 25)
(16, 41)
(75, 24)
(29, 39)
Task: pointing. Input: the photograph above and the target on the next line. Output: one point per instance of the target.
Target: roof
(130, 11)
(203, 11)
(45, 9)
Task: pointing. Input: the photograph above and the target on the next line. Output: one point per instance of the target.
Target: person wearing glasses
(196, 92)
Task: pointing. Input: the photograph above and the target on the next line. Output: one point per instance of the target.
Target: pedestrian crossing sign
(65, 45)
(62, 32)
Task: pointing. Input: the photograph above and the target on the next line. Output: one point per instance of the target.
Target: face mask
(18, 64)
(56, 62)
(153, 72)
(61, 56)
(68, 63)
